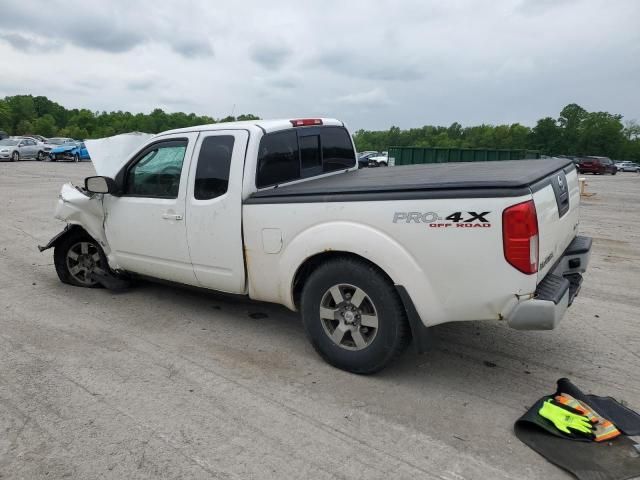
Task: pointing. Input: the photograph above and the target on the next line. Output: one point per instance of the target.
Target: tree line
(27, 114)
(575, 132)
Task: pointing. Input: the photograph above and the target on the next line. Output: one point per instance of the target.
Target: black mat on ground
(614, 460)
(622, 417)
(625, 419)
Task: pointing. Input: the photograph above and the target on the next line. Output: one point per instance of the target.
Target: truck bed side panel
(453, 269)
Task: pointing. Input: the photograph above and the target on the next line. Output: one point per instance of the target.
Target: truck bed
(509, 178)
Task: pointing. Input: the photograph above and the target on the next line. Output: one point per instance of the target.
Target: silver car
(628, 167)
(16, 149)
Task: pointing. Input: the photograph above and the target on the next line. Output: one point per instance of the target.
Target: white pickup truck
(277, 210)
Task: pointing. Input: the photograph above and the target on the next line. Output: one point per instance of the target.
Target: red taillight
(305, 122)
(520, 236)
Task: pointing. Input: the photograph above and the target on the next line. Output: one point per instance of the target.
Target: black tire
(15, 157)
(614, 172)
(76, 158)
(40, 156)
(60, 258)
(392, 333)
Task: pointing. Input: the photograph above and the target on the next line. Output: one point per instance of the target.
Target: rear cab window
(304, 152)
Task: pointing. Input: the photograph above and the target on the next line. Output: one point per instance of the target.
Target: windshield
(8, 141)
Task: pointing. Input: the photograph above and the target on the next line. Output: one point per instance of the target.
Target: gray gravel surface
(165, 382)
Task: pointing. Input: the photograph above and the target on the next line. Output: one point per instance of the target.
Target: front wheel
(76, 158)
(76, 257)
(40, 156)
(15, 157)
(353, 316)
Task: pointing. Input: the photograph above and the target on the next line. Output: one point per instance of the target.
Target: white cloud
(376, 97)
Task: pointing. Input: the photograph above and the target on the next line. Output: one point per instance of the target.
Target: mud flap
(419, 333)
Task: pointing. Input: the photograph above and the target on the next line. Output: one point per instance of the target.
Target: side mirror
(99, 184)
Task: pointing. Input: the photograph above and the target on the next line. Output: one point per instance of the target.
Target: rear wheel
(15, 157)
(353, 316)
(76, 257)
(40, 156)
(76, 158)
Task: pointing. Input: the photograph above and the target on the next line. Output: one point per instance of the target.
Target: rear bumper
(556, 292)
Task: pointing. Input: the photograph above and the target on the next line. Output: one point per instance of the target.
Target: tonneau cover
(478, 179)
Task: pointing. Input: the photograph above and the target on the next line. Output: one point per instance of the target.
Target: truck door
(214, 209)
(146, 225)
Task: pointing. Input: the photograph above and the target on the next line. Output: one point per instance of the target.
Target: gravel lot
(164, 382)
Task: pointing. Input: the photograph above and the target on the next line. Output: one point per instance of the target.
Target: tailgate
(557, 200)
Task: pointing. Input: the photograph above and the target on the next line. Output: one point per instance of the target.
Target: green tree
(546, 136)
(23, 127)
(602, 134)
(631, 130)
(570, 121)
(45, 125)
(5, 116)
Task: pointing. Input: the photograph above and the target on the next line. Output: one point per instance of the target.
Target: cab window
(278, 158)
(337, 149)
(214, 164)
(302, 153)
(156, 173)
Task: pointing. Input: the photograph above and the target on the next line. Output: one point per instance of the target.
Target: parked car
(19, 148)
(597, 165)
(55, 142)
(628, 167)
(37, 138)
(380, 160)
(3, 135)
(277, 210)
(41, 155)
(363, 158)
(69, 152)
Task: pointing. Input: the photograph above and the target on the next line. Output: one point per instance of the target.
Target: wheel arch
(70, 229)
(307, 267)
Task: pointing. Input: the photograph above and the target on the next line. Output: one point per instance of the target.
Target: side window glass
(337, 149)
(310, 151)
(157, 173)
(278, 158)
(214, 163)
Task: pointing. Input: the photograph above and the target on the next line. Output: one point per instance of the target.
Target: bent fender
(78, 208)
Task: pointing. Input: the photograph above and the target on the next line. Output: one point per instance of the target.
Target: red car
(597, 165)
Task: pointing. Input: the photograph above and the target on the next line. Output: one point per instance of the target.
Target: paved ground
(161, 382)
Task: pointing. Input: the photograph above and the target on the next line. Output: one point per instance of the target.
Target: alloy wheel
(83, 259)
(349, 317)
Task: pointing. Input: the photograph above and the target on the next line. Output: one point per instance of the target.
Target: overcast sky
(371, 63)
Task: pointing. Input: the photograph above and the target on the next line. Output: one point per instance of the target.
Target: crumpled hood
(62, 148)
(110, 154)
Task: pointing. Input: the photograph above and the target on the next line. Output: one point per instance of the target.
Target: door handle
(171, 216)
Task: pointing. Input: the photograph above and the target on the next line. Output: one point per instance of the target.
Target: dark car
(3, 135)
(597, 165)
(363, 158)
